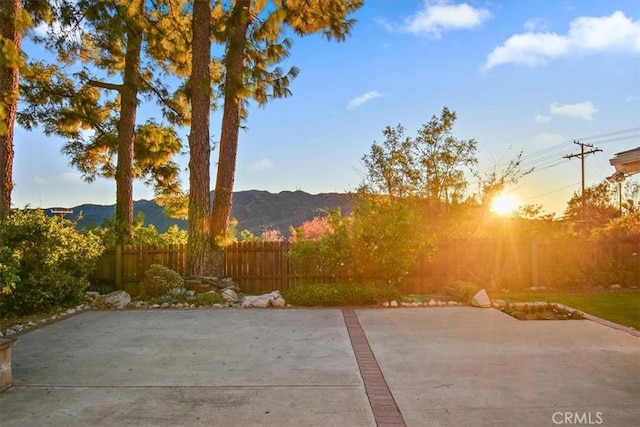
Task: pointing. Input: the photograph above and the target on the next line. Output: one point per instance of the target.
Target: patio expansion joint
(384, 407)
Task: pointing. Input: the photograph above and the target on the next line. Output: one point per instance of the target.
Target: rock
(90, 295)
(441, 303)
(18, 327)
(116, 299)
(615, 287)
(279, 302)
(31, 324)
(481, 299)
(155, 306)
(229, 295)
(452, 303)
(394, 303)
(385, 304)
(70, 311)
(432, 303)
(406, 304)
(265, 300)
(499, 303)
(416, 304)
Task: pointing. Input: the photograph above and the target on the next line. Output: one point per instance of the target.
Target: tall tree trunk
(9, 81)
(199, 148)
(234, 70)
(126, 131)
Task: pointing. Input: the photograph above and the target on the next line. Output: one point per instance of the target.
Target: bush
(209, 298)
(44, 262)
(463, 291)
(159, 280)
(340, 295)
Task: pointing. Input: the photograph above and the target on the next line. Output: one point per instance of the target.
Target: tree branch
(103, 85)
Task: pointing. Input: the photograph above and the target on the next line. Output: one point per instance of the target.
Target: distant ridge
(255, 210)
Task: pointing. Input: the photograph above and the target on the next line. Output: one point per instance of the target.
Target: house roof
(627, 162)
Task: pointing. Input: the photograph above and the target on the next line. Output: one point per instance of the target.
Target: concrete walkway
(298, 367)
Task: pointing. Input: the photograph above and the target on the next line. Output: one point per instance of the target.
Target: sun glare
(503, 204)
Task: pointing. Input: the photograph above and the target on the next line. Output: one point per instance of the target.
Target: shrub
(159, 280)
(209, 298)
(340, 294)
(44, 262)
(463, 291)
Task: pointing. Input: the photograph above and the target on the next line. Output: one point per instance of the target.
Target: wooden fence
(492, 263)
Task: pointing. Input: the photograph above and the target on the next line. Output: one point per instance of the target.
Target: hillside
(254, 210)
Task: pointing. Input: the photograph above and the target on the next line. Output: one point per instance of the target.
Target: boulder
(432, 303)
(116, 299)
(481, 299)
(615, 287)
(229, 295)
(266, 300)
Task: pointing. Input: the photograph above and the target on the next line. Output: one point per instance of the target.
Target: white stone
(70, 311)
(116, 299)
(394, 303)
(452, 303)
(406, 304)
(229, 295)
(30, 324)
(416, 304)
(481, 299)
(385, 304)
(616, 286)
(499, 303)
(441, 303)
(279, 302)
(265, 300)
(432, 303)
(9, 332)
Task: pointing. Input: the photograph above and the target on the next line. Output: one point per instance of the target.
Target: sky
(522, 76)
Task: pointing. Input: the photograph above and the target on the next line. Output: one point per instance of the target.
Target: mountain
(255, 210)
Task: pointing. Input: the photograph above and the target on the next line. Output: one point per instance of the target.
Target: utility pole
(582, 154)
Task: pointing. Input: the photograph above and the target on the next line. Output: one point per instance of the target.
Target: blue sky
(530, 76)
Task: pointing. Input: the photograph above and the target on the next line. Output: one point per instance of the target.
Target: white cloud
(437, 17)
(541, 118)
(362, 99)
(260, 165)
(583, 110)
(547, 140)
(631, 98)
(585, 35)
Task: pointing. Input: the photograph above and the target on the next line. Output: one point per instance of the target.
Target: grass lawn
(622, 307)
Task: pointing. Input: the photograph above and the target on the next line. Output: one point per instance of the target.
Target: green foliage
(387, 237)
(158, 281)
(463, 291)
(142, 235)
(381, 239)
(209, 298)
(340, 295)
(326, 253)
(44, 262)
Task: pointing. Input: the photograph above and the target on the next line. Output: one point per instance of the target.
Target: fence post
(118, 266)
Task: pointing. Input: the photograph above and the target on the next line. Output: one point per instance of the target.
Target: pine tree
(254, 42)
(98, 116)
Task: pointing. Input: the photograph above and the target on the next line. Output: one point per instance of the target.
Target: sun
(504, 204)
